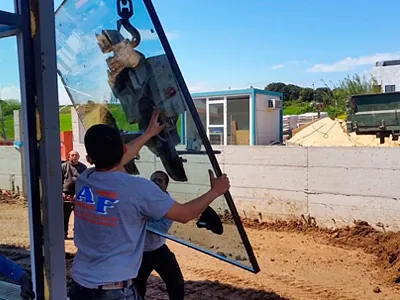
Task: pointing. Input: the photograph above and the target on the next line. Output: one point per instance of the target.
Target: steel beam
(10, 19)
(37, 54)
(6, 31)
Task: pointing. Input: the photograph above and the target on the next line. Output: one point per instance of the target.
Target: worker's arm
(133, 148)
(162, 225)
(157, 204)
(10, 269)
(188, 211)
(14, 272)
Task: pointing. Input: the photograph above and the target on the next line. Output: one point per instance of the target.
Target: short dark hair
(162, 173)
(104, 146)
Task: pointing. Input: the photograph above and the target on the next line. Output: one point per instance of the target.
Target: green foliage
(334, 97)
(323, 95)
(307, 95)
(291, 92)
(8, 106)
(275, 87)
(296, 108)
(348, 87)
(66, 123)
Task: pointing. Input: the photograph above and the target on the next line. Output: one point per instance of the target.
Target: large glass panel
(117, 77)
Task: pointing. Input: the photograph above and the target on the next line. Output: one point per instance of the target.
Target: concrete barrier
(11, 169)
(334, 185)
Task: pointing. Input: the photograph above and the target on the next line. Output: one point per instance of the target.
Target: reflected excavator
(135, 81)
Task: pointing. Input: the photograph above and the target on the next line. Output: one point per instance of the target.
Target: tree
(291, 92)
(8, 106)
(307, 94)
(275, 87)
(324, 95)
(350, 86)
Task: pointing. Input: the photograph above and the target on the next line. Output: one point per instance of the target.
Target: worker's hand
(26, 288)
(154, 127)
(219, 185)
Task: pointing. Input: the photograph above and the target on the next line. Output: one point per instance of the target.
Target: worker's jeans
(68, 208)
(78, 292)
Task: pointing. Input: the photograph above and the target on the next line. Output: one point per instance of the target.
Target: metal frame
(192, 108)
(11, 23)
(27, 84)
(39, 94)
(44, 55)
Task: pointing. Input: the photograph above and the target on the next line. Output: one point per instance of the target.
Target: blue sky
(235, 43)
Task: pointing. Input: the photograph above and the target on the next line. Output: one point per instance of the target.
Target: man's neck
(117, 168)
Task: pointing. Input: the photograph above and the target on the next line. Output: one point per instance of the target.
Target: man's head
(161, 179)
(104, 146)
(73, 157)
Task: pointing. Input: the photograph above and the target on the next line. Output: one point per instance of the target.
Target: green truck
(374, 114)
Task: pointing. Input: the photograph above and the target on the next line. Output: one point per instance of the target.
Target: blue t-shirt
(9, 269)
(111, 212)
(154, 241)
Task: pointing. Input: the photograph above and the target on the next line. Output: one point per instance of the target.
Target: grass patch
(66, 123)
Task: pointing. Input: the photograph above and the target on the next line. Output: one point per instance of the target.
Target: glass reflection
(117, 77)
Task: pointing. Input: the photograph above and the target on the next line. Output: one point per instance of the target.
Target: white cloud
(147, 35)
(10, 92)
(292, 62)
(206, 87)
(13, 92)
(172, 35)
(276, 67)
(351, 63)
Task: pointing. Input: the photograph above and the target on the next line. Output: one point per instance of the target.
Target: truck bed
(374, 114)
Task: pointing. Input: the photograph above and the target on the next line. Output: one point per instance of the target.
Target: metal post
(27, 84)
(43, 84)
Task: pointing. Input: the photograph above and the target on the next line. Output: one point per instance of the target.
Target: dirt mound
(327, 132)
(7, 197)
(384, 245)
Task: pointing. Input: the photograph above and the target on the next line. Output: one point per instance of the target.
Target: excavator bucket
(116, 65)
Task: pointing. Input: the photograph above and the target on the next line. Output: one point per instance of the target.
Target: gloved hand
(26, 287)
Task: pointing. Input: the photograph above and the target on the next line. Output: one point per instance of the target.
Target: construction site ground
(297, 261)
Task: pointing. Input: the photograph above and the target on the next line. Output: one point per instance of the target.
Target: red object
(6, 143)
(66, 144)
(170, 92)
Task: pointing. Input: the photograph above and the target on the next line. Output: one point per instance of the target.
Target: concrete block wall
(12, 175)
(334, 185)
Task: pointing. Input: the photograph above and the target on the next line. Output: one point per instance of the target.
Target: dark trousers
(163, 261)
(78, 292)
(68, 208)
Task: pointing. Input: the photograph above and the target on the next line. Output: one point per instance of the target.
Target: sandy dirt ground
(297, 262)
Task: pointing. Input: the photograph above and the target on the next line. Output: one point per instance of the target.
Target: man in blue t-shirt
(13, 272)
(157, 256)
(111, 213)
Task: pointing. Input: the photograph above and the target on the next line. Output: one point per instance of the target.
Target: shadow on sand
(194, 290)
(207, 289)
